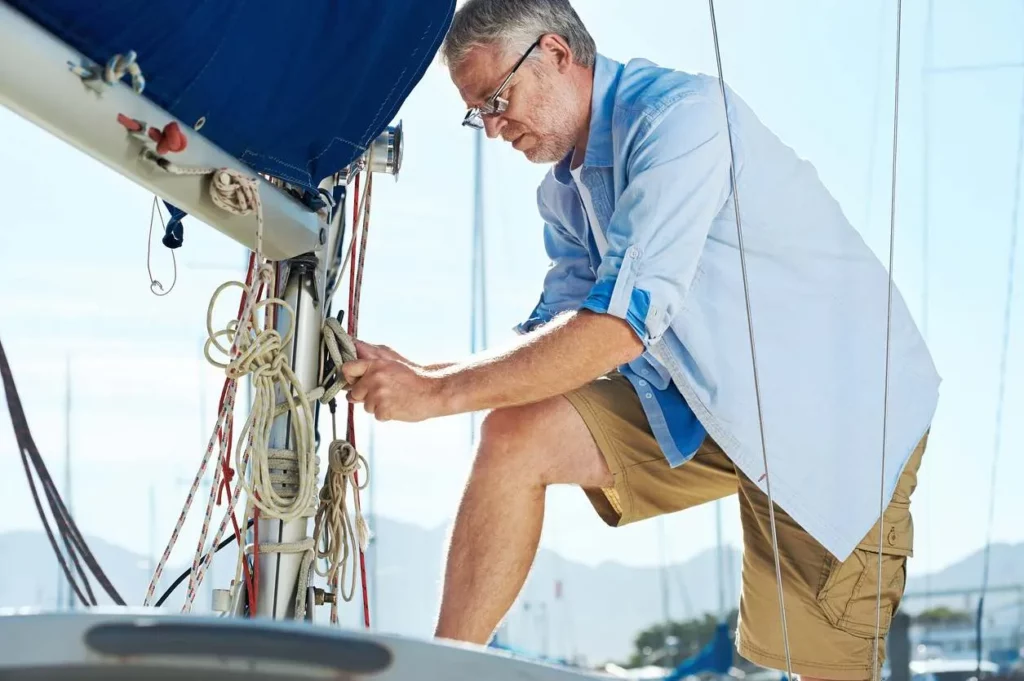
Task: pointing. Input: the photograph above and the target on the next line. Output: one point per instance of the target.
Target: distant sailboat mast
(720, 555)
(478, 276)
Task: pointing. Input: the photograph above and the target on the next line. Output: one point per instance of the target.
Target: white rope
(340, 347)
(259, 353)
(119, 65)
(305, 548)
(281, 482)
(875, 671)
(228, 190)
(155, 286)
(753, 354)
(336, 539)
(291, 494)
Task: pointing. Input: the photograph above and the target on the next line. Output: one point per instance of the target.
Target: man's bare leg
(497, 529)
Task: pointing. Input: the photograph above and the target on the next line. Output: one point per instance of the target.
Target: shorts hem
(598, 497)
(833, 672)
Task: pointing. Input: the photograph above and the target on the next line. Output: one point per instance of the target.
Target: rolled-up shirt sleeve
(569, 278)
(677, 181)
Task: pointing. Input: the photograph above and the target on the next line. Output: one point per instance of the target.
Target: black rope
(74, 543)
(184, 575)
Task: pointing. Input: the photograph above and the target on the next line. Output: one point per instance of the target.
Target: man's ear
(558, 50)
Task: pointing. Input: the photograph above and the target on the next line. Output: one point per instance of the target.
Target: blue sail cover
(297, 90)
(716, 657)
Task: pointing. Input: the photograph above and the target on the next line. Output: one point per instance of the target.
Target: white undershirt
(588, 205)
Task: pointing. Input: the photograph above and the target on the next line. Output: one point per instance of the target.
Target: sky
(818, 72)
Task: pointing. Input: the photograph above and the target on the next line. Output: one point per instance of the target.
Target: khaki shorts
(830, 606)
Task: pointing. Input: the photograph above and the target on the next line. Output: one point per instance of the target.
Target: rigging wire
(925, 246)
(875, 671)
(757, 391)
(1003, 362)
(753, 353)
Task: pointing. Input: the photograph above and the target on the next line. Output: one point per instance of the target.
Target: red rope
(251, 576)
(355, 284)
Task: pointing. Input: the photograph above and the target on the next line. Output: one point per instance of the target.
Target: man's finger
(370, 406)
(359, 391)
(354, 369)
(364, 350)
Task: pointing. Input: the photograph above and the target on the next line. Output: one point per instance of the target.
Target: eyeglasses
(495, 105)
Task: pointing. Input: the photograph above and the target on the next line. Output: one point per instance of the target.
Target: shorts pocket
(848, 594)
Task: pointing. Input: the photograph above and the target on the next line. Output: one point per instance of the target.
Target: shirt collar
(602, 106)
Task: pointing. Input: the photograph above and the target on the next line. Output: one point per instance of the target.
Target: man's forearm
(566, 353)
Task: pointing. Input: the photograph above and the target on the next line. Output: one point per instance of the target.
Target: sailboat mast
(666, 616)
(478, 284)
(152, 557)
(720, 555)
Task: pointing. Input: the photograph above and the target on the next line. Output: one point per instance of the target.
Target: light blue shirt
(666, 259)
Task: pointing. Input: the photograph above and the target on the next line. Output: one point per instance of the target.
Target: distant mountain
(600, 611)
(29, 573)
(947, 587)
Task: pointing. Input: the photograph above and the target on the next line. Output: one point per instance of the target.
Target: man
(635, 379)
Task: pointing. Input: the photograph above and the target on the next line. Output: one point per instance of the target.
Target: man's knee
(545, 443)
(507, 427)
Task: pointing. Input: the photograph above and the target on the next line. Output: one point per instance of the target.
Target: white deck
(137, 644)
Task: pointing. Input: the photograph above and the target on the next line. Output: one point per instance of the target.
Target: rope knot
(261, 355)
(343, 458)
(234, 192)
(119, 65)
(336, 538)
(341, 348)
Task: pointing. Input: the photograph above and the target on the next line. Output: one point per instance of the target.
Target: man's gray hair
(515, 25)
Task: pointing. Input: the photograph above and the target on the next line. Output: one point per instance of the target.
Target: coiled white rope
(291, 494)
(340, 347)
(239, 195)
(336, 542)
(281, 482)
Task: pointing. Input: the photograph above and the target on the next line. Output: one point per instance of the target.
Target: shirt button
(643, 382)
(649, 395)
(633, 252)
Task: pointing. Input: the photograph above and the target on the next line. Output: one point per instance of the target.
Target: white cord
(875, 668)
(281, 483)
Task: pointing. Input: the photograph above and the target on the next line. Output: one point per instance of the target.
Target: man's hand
(394, 391)
(569, 351)
(366, 350)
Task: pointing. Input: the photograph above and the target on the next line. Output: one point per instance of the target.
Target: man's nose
(493, 126)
